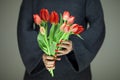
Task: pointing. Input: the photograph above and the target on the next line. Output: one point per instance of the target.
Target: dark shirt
(75, 65)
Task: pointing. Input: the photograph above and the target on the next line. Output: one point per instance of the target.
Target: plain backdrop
(106, 65)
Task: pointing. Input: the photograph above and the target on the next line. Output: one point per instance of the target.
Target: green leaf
(53, 48)
(61, 19)
(41, 37)
(42, 43)
(66, 36)
(43, 23)
(56, 36)
(80, 36)
(45, 49)
(57, 30)
(51, 34)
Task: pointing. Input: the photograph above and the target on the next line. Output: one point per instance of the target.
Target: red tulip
(71, 20)
(80, 30)
(37, 19)
(44, 14)
(66, 15)
(54, 17)
(76, 29)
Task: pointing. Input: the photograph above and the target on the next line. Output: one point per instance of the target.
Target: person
(72, 63)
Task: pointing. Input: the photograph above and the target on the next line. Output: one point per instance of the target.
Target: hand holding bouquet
(61, 28)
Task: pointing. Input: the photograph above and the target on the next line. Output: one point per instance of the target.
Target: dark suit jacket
(75, 65)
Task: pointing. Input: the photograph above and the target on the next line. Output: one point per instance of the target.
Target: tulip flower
(42, 30)
(76, 29)
(62, 26)
(67, 29)
(70, 20)
(80, 30)
(66, 15)
(54, 17)
(44, 14)
(37, 19)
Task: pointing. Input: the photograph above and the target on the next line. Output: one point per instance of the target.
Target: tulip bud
(42, 30)
(44, 14)
(37, 19)
(62, 26)
(67, 29)
(76, 29)
(66, 15)
(54, 17)
(80, 29)
(70, 20)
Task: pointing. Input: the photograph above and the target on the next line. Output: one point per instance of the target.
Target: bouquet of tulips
(61, 28)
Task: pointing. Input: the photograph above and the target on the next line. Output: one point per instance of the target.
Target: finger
(59, 54)
(50, 57)
(50, 62)
(66, 42)
(63, 46)
(47, 57)
(61, 51)
(49, 68)
(50, 65)
(58, 59)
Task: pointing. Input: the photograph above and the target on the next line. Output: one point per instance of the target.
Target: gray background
(106, 65)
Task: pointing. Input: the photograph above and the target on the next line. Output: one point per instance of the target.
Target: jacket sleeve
(85, 50)
(27, 39)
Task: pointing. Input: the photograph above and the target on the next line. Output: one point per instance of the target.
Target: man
(74, 64)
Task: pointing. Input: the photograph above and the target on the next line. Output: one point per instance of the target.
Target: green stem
(62, 37)
(51, 32)
(46, 27)
(51, 72)
(47, 44)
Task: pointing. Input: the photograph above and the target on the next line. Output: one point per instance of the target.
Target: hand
(67, 48)
(49, 61)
